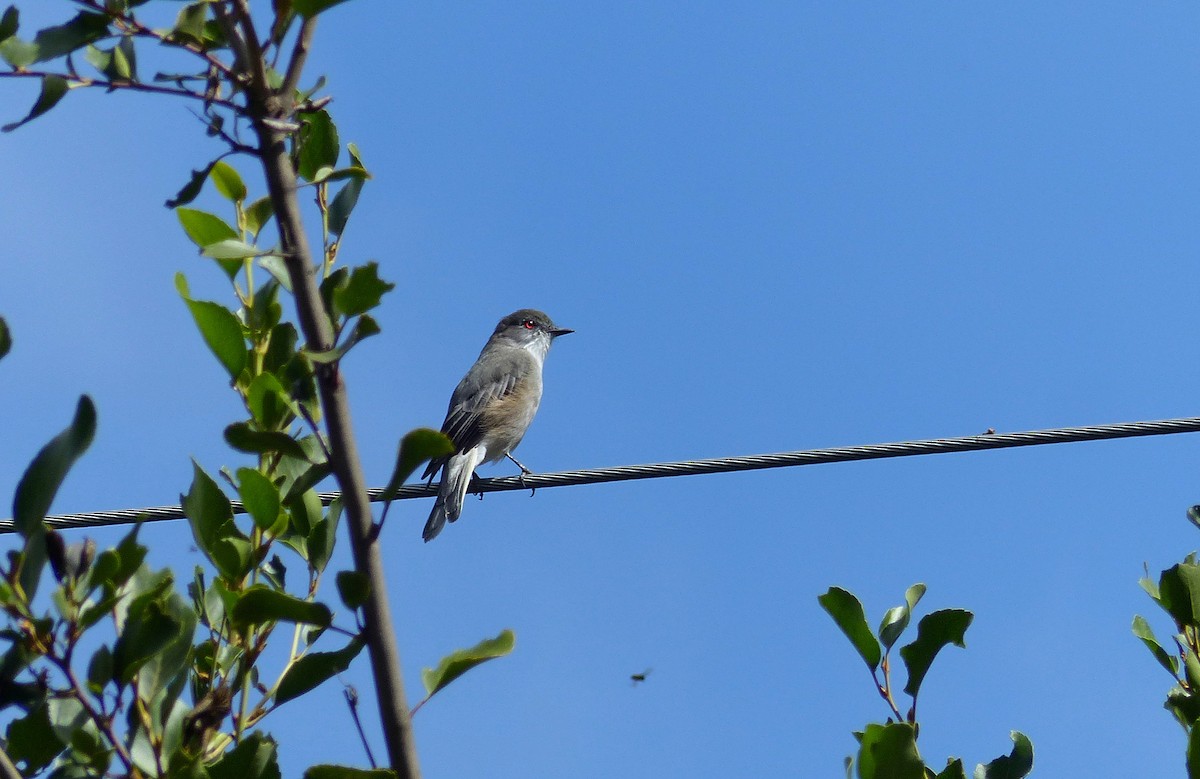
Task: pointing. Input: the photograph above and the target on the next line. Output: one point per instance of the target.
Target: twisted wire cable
(754, 462)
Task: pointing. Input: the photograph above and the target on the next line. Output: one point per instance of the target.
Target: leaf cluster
(889, 749)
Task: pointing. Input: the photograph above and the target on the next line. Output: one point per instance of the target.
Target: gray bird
(491, 408)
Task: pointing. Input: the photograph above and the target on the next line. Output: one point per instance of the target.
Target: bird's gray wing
(486, 382)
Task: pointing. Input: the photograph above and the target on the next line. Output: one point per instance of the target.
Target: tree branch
(135, 86)
(266, 108)
(291, 79)
(127, 21)
(7, 769)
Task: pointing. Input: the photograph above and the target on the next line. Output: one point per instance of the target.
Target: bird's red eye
(529, 324)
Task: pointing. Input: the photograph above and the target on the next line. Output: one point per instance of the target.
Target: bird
(491, 408)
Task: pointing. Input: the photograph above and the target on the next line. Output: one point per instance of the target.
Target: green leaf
(32, 739)
(353, 587)
(318, 144)
(57, 41)
(277, 267)
(228, 182)
(166, 667)
(355, 157)
(460, 661)
(953, 770)
(364, 327)
(329, 771)
(53, 42)
(254, 757)
(890, 752)
(1179, 592)
(203, 228)
(5, 338)
(362, 291)
(343, 204)
(230, 249)
(260, 604)
(268, 401)
(315, 668)
(9, 22)
(190, 190)
(321, 540)
(220, 328)
(100, 670)
(45, 474)
(1193, 752)
(211, 516)
(246, 439)
(145, 634)
(934, 631)
(53, 89)
(847, 612)
(258, 214)
(1019, 763)
(416, 447)
(1141, 629)
(896, 619)
(307, 8)
(259, 496)
(190, 22)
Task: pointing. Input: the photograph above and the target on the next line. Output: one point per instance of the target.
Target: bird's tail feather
(456, 479)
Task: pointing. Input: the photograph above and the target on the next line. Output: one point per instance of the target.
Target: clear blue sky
(786, 226)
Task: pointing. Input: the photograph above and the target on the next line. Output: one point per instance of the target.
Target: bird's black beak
(556, 332)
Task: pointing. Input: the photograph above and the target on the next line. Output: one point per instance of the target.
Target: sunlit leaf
(847, 612)
(1141, 629)
(228, 182)
(343, 204)
(314, 668)
(1179, 593)
(230, 249)
(261, 604)
(362, 291)
(896, 619)
(890, 752)
(203, 228)
(460, 661)
(260, 497)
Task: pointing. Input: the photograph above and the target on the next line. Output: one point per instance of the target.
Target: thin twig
(141, 30)
(352, 702)
(7, 769)
(75, 80)
(102, 722)
(291, 79)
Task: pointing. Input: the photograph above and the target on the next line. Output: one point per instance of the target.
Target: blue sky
(785, 226)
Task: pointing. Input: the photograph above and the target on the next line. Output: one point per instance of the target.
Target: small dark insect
(636, 679)
(990, 431)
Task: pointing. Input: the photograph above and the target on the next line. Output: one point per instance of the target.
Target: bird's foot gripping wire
(524, 472)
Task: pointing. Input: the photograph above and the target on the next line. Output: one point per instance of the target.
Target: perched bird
(491, 408)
